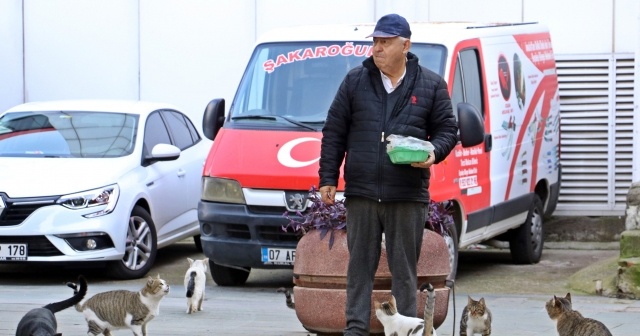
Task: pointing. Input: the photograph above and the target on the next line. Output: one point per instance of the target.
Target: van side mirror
(213, 118)
(470, 124)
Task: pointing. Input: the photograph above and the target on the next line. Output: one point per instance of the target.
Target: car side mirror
(213, 118)
(470, 125)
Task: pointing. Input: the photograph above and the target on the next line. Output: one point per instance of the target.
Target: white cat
(396, 324)
(194, 283)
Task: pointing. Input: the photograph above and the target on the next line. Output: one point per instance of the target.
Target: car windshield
(68, 134)
(292, 83)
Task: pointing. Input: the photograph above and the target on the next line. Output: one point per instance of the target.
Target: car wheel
(527, 240)
(198, 242)
(451, 239)
(228, 276)
(141, 247)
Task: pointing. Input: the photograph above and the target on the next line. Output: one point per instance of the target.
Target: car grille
(17, 210)
(38, 246)
(276, 233)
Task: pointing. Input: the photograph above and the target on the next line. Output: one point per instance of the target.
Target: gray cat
(570, 322)
(121, 309)
(42, 321)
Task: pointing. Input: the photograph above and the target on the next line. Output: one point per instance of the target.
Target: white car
(97, 181)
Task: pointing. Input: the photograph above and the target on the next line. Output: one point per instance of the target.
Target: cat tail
(289, 300)
(429, 308)
(74, 300)
(192, 284)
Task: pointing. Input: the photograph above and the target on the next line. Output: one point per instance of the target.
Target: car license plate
(13, 251)
(278, 256)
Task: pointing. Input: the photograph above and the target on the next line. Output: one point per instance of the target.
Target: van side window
(467, 84)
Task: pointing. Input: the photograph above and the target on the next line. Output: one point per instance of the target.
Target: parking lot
(515, 294)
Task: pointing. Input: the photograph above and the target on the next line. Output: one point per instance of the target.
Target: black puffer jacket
(356, 126)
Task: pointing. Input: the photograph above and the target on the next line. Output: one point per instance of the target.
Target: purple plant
(318, 216)
(327, 218)
(440, 217)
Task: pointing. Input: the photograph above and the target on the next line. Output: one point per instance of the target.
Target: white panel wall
(485, 10)
(626, 26)
(192, 51)
(81, 49)
(11, 80)
(576, 26)
(286, 13)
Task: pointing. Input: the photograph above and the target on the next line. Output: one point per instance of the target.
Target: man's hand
(430, 160)
(328, 194)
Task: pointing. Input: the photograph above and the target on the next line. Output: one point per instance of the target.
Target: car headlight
(102, 196)
(222, 190)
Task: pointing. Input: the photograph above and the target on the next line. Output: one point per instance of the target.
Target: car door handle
(181, 173)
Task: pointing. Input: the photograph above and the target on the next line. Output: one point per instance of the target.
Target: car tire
(528, 239)
(451, 239)
(141, 247)
(227, 276)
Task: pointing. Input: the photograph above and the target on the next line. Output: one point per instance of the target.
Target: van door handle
(488, 142)
(181, 172)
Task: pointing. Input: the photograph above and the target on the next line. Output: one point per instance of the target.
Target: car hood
(34, 177)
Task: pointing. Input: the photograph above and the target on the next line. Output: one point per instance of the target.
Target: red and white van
(265, 153)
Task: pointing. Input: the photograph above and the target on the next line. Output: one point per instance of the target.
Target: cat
(194, 283)
(289, 300)
(120, 309)
(570, 322)
(396, 324)
(476, 318)
(42, 321)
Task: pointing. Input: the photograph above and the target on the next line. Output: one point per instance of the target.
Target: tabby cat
(194, 283)
(570, 322)
(289, 300)
(119, 309)
(395, 324)
(42, 321)
(476, 318)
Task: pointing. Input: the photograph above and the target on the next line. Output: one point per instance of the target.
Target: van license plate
(13, 251)
(278, 256)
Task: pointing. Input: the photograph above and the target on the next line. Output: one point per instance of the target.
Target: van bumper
(234, 234)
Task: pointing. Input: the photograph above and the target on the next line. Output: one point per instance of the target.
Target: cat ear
(190, 261)
(393, 300)
(469, 300)
(481, 301)
(568, 297)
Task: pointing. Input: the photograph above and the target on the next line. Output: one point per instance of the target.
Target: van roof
(422, 32)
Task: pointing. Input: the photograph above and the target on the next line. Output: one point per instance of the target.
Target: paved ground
(515, 293)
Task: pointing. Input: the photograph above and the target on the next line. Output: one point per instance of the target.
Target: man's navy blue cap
(391, 25)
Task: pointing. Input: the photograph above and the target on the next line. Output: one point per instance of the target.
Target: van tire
(528, 239)
(198, 243)
(227, 276)
(451, 239)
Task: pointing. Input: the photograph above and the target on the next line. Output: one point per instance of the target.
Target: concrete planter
(320, 281)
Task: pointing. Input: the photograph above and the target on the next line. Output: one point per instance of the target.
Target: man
(390, 93)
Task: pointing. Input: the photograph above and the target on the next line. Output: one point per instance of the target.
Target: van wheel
(198, 243)
(527, 240)
(140, 250)
(451, 239)
(227, 276)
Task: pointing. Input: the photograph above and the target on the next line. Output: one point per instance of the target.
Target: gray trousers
(403, 225)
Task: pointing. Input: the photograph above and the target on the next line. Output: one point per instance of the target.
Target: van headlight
(222, 190)
(107, 196)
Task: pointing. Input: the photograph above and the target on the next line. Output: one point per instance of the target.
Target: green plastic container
(400, 155)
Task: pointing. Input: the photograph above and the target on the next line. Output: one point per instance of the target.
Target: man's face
(389, 52)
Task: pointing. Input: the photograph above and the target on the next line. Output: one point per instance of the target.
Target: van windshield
(291, 83)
